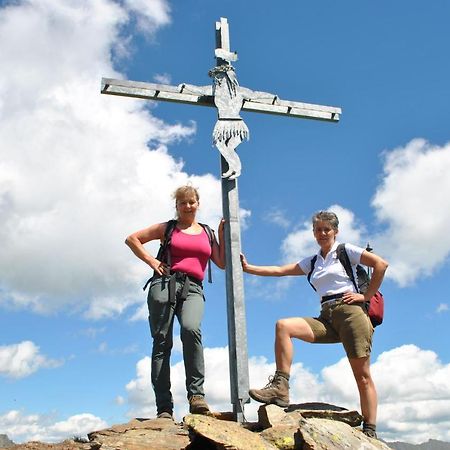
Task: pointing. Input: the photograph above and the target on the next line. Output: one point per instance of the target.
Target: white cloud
(21, 428)
(79, 171)
(278, 217)
(412, 385)
(150, 14)
(442, 308)
(23, 359)
(411, 201)
(413, 393)
(163, 78)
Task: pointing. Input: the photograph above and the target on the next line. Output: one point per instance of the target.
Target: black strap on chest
(164, 254)
(343, 259)
(313, 263)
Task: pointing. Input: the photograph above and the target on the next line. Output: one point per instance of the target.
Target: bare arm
(271, 271)
(137, 240)
(218, 249)
(379, 266)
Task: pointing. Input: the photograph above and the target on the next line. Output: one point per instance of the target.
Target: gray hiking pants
(165, 301)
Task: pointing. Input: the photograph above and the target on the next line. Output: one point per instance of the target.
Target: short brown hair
(326, 216)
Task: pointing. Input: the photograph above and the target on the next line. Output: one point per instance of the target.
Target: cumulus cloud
(278, 217)
(46, 428)
(79, 171)
(150, 14)
(23, 359)
(410, 202)
(412, 384)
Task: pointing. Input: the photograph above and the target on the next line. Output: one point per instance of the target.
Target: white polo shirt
(329, 276)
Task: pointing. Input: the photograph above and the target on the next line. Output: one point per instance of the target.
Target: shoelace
(270, 384)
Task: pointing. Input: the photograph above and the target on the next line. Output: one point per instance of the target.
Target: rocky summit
(309, 426)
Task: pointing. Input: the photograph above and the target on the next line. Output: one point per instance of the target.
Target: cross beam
(169, 93)
(229, 98)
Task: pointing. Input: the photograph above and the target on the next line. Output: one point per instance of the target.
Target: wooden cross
(228, 101)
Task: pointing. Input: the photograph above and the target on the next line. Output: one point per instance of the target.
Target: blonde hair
(185, 191)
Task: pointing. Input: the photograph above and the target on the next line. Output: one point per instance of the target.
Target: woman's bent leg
(285, 330)
(277, 390)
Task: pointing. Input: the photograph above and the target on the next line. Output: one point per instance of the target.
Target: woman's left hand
(353, 297)
(220, 227)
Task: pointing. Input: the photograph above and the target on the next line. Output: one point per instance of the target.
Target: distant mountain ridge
(431, 444)
(5, 442)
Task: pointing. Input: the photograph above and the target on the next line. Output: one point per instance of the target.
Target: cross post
(237, 323)
(229, 99)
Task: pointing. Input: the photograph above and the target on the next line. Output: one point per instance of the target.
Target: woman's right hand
(159, 267)
(244, 262)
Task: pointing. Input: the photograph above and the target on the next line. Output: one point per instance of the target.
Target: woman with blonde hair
(176, 289)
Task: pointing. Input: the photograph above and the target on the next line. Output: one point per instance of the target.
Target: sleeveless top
(190, 253)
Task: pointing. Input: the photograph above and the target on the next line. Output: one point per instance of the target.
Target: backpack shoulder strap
(210, 233)
(163, 253)
(313, 263)
(345, 261)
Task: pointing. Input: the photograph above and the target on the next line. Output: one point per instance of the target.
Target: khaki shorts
(340, 322)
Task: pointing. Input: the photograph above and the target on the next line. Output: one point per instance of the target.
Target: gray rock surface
(142, 434)
(287, 429)
(272, 415)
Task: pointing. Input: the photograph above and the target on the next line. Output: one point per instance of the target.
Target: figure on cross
(230, 129)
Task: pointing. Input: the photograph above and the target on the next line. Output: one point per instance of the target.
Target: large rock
(325, 434)
(142, 434)
(272, 415)
(283, 437)
(220, 435)
(66, 445)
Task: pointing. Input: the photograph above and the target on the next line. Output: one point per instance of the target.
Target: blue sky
(79, 171)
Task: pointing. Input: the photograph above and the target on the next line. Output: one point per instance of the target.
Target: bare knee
(364, 380)
(294, 327)
(282, 327)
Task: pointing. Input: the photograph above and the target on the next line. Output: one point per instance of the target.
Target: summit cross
(229, 98)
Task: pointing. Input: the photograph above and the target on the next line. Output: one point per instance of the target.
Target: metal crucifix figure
(230, 130)
(229, 98)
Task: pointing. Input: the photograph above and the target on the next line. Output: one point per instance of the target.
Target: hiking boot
(370, 430)
(197, 405)
(165, 415)
(276, 392)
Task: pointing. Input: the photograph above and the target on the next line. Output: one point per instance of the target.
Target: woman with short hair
(343, 316)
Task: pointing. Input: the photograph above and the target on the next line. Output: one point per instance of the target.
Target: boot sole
(275, 401)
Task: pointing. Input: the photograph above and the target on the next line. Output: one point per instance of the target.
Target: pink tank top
(190, 253)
